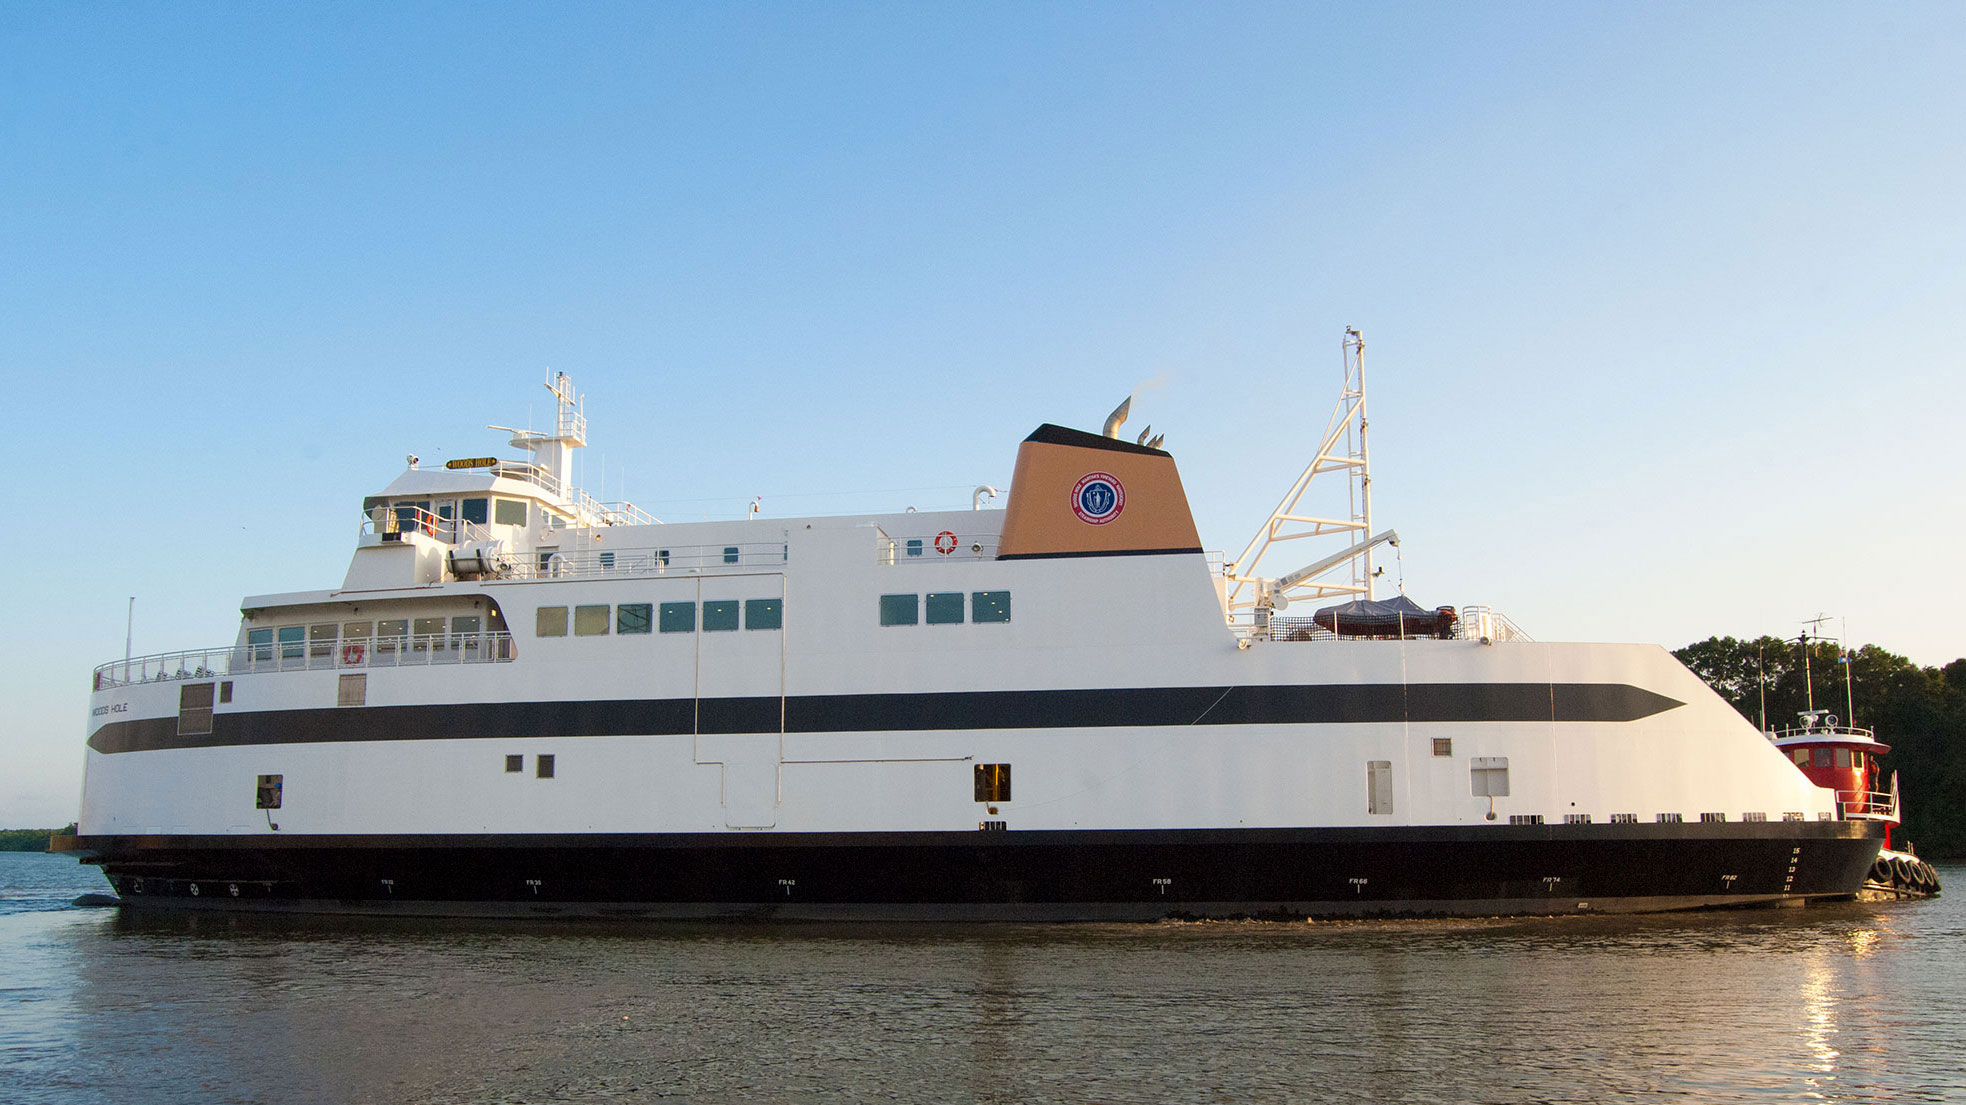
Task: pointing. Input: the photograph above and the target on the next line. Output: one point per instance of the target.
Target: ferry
(521, 701)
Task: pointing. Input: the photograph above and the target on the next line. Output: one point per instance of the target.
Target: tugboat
(1843, 759)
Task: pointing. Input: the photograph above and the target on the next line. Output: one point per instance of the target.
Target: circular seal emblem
(1098, 498)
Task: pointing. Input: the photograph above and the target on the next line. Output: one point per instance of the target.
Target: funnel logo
(1098, 499)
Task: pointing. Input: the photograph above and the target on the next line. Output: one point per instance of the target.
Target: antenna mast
(1342, 449)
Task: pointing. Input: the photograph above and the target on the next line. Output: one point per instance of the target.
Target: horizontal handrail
(938, 548)
(406, 650)
(698, 559)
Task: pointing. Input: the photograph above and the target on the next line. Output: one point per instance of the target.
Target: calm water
(1843, 1003)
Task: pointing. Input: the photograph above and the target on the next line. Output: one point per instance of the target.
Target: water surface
(1839, 1003)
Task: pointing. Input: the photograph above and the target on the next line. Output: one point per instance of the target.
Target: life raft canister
(351, 654)
(945, 542)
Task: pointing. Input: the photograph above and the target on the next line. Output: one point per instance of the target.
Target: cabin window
(356, 631)
(662, 558)
(428, 629)
(225, 692)
(1490, 776)
(389, 633)
(730, 554)
(901, 609)
(194, 709)
(293, 642)
(719, 615)
(552, 621)
(1800, 756)
(1822, 757)
(945, 607)
(1843, 757)
(320, 642)
(266, 793)
(914, 546)
(509, 512)
(764, 613)
(465, 625)
(677, 617)
(353, 691)
(1859, 760)
(633, 617)
(993, 782)
(474, 510)
(590, 621)
(409, 515)
(1379, 786)
(1443, 746)
(545, 767)
(514, 764)
(259, 644)
(989, 606)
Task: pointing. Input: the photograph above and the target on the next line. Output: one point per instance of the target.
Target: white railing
(938, 548)
(356, 653)
(389, 523)
(1485, 623)
(686, 559)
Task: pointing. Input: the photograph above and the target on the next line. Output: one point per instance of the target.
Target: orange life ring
(351, 654)
(945, 542)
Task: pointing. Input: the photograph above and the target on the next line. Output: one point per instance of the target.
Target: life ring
(945, 542)
(351, 654)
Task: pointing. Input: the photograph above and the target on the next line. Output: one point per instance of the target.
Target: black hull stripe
(1005, 875)
(1140, 707)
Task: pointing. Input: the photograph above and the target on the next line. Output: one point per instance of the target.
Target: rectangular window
(677, 617)
(662, 558)
(426, 633)
(1443, 746)
(993, 782)
(945, 607)
(509, 512)
(390, 632)
(266, 793)
(1490, 776)
(1379, 786)
(225, 692)
(914, 546)
(764, 613)
(465, 625)
(1800, 756)
(514, 764)
(545, 770)
(901, 609)
(633, 617)
(552, 621)
(590, 621)
(989, 606)
(1843, 757)
(194, 709)
(320, 643)
(474, 510)
(730, 554)
(1822, 757)
(353, 691)
(259, 645)
(719, 615)
(292, 642)
(357, 632)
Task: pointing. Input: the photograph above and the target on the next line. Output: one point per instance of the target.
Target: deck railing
(407, 650)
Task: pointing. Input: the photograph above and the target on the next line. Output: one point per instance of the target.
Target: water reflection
(1845, 1003)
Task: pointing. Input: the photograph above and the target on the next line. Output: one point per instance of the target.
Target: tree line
(1920, 712)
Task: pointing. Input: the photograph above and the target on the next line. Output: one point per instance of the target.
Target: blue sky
(1662, 302)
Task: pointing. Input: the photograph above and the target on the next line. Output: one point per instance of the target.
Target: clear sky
(1663, 302)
